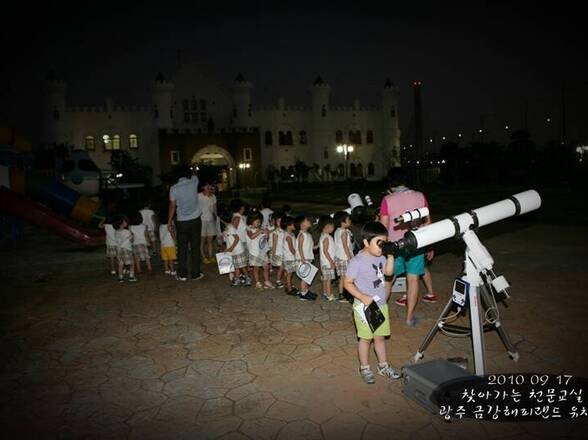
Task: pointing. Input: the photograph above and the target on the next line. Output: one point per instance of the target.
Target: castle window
(194, 117)
(268, 138)
(354, 137)
(55, 114)
(106, 142)
(358, 137)
(133, 142)
(285, 138)
(116, 142)
(186, 116)
(174, 158)
(193, 104)
(371, 169)
(393, 112)
(339, 137)
(202, 116)
(303, 137)
(289, 140)
(324, 111)
(89, 142)
(370, 137)
(202, 104)
(247, 154)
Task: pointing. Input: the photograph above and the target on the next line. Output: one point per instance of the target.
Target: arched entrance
(216, 163)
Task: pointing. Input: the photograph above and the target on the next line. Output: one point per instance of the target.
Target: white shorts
(208, 228)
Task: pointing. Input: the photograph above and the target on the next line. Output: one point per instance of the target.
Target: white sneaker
(113, 272)
(168, 272)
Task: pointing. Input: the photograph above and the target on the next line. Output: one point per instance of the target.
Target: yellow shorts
(365, 332)
(168, 253)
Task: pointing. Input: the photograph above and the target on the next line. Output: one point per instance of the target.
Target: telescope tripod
(478, 281)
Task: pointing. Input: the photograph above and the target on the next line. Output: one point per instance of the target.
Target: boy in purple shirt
(365, 279)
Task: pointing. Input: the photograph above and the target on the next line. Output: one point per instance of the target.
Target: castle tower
(163, 105)
(242, 114)
(321, 132)
(391, 132)
(54, 115)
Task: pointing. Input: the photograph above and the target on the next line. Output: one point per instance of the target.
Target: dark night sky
(473, 58)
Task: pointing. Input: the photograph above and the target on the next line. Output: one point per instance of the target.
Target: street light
(346, 150)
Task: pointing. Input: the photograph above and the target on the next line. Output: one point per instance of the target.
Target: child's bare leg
(256, 273)
(121, 268)
(327, 288)
(303, 286)
(112, 264)
(380, 348)
(280, 273)
(137, 264)
(363, 350)
(266, 273)
(428, 281)
(132, 270)
(341, 284)
(148, 263)
(289, 281)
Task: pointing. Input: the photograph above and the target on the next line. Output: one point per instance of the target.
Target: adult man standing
(183, 201)
(400, 200)
(207, 202)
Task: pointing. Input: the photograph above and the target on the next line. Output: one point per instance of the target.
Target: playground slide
(35, 213)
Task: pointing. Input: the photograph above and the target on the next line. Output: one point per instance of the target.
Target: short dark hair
(340, 217)
(396, 177)
(118, 221)
(236, 205)
(254, 216)
(373, 229)
(286, 221)
(325, 220)
(286, 208)
(137, 219)
(183, 171)
(298, 220)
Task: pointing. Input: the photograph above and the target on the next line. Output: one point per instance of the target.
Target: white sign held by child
(306, 272)
(224, 260)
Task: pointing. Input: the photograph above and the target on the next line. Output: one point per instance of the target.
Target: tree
(130, 168)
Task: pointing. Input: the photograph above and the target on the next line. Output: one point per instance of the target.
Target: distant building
(194, 119)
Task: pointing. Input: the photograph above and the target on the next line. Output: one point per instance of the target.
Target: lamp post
(346, 150)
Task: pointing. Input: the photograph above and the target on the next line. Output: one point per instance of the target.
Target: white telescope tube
(415, 214)
(517, 204)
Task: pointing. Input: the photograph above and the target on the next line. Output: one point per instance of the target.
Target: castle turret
(391, 132)
(242, 113)
(54, 115)
(163, 105)
(321, 132)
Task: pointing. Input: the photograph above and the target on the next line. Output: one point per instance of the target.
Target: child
(327, 255)
(124, 248)
(167, 241)
(304, 254)
(265, 208)
(149, 219)
(289, 252)
(365, 279)
(342, 248)
(141, 243)
(110, 244)
(277, 249)
(257, 243)
(237, 250)
(238, 209)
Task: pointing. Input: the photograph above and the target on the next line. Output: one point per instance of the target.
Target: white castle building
(194, 119)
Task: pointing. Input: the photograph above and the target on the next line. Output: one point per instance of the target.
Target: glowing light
(350, 148)
(340, 149)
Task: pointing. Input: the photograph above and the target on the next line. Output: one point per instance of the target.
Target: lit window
(247, 154)
(106, 142)
(174, 157)
(90, 145)
(133, 142)
(116, 142)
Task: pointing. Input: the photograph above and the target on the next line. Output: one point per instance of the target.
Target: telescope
(476, 287)
(515, 205)
(414, 215)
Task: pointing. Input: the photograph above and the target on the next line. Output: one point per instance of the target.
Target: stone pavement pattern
(86, 357)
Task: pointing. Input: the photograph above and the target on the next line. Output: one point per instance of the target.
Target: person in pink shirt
(400, 200)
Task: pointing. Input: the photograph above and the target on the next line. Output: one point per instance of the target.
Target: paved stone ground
(86, 357)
